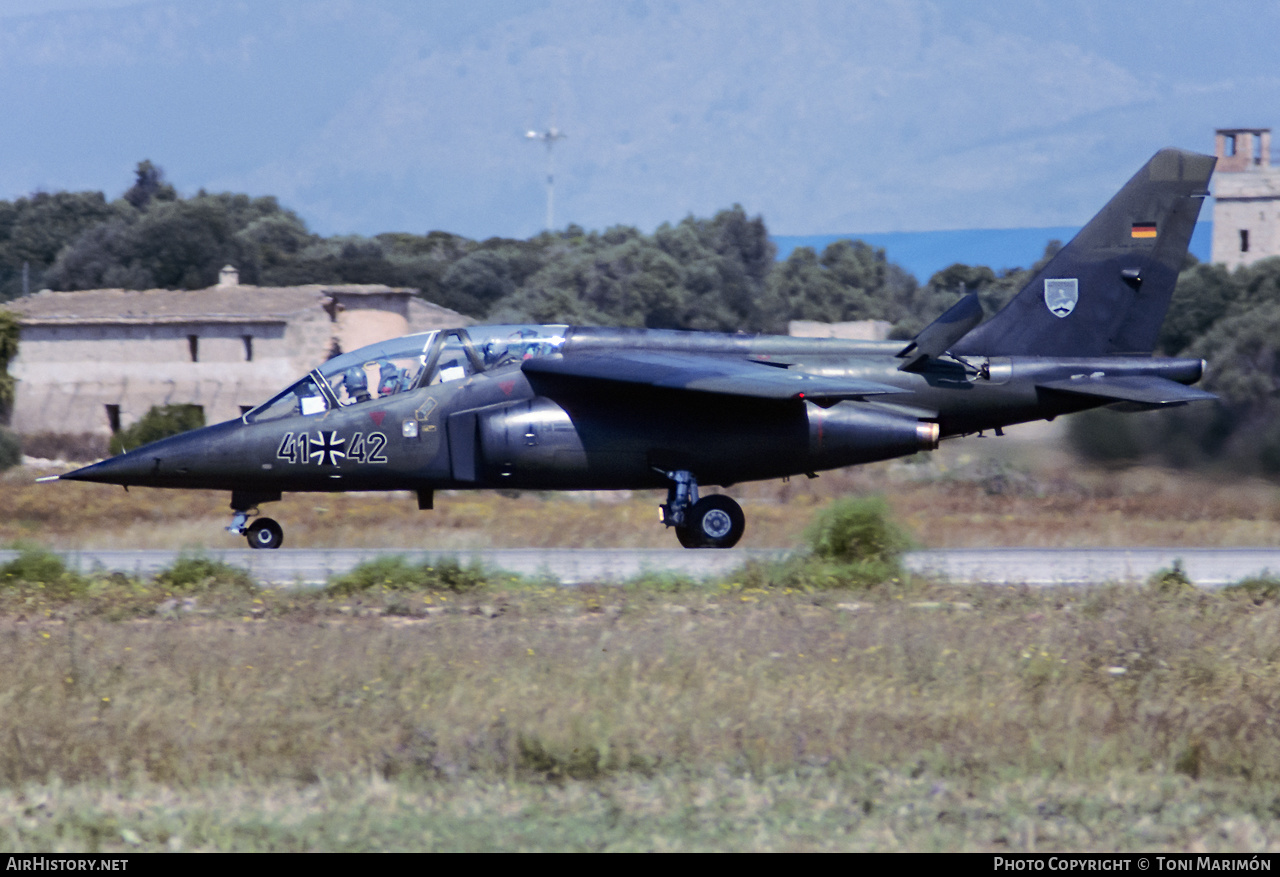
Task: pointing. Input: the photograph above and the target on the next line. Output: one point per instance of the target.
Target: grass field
(195, 712)
(918, 717)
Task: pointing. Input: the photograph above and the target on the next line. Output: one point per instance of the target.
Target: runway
(1206, 567)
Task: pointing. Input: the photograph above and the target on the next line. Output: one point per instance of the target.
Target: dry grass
(923, 717)
(956, 497)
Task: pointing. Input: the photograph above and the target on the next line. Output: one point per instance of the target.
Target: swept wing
(735, 377)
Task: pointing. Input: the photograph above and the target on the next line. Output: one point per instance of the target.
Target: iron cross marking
(328, 448)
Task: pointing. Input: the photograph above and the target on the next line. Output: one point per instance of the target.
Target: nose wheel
(264, 533)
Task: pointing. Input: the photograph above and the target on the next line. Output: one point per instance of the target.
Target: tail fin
(1107, 291)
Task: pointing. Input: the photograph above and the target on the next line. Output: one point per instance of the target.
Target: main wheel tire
(714, 521)
(264, 533)
(689, 537)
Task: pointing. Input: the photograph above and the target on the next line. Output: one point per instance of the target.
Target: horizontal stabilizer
(1141, 389)
(734, 377)
(936, 338)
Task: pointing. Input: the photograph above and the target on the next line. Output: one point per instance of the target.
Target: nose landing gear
(262, 533)
(714, 521)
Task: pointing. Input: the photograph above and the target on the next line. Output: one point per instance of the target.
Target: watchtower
(1246, 209)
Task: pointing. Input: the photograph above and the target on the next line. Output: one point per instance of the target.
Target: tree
(1242, 347)
(474, 283)
(808, 291)
(9, 335)
(160, 421)
(148, 185)
(45, 222)
(100, 257)
(725, 262)
(1204, 295)
(699, 274)
(850, 281)
(269, 241)
(181, 244)
(184, 244)
(33, 230)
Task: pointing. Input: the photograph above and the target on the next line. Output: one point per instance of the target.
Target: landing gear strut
(262, 533)
(714, 521)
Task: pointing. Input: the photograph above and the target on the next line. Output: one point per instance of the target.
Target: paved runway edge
(1206, 567)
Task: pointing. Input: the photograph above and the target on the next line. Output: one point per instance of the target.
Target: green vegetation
(1261, 589)
(38, 580)
(700, 274)
(857, 534)
(160, 421)
(10, 443)
(397, 574)
(809, 809)
(39, 568)
(10, 449)
(853, 543)
(853, 281)
(1232, 320)
(1171, 581)
(9, 333)
(193, 573)
(716, 274)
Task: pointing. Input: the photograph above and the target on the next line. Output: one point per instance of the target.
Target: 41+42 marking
(326, 448)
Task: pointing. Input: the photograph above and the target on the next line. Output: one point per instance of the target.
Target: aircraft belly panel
(540, 444)
(720, 439)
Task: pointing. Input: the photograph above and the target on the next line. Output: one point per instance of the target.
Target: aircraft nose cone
(131, 468)
(177, 461)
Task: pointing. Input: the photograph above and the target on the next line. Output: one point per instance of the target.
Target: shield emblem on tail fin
(1060, 296)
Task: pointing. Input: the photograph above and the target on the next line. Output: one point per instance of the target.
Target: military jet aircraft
(557, 407)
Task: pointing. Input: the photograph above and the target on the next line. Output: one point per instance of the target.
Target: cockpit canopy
(404, 364)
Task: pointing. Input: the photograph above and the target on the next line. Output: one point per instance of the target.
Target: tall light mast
(549, 137)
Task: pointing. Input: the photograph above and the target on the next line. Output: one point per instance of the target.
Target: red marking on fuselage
(506, 386)
(377, 417)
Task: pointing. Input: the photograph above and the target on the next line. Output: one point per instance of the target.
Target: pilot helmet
(355, 380)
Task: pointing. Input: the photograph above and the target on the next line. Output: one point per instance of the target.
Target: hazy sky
(823, 115)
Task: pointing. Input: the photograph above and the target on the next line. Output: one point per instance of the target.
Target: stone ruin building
(93, 362)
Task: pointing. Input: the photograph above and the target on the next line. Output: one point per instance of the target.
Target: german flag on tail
(1143, 230)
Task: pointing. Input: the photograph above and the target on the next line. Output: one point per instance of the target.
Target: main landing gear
(714, 521)
(262, 533)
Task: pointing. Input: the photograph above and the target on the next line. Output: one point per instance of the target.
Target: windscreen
(402, 364)
(374, 372)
